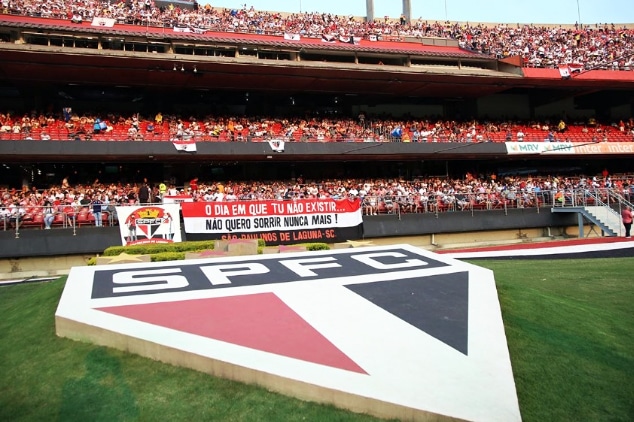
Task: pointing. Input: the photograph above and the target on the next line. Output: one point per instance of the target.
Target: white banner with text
(293, 221)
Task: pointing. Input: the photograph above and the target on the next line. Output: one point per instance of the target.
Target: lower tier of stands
(91, 240)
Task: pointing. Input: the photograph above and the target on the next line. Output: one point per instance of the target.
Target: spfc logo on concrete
(392, 331)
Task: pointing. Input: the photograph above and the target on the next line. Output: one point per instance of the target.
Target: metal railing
(504, 200)
(367, 134)
(78, 217)
(72, 217)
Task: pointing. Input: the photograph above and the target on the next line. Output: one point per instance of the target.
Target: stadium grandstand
(423, 118)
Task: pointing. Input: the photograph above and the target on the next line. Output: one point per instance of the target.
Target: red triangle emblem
(258, 321)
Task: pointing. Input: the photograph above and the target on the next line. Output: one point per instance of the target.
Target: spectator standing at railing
(626, 216)
(132, 195)
(193, 185)
(162, 189)
(16, 212)
(156, 198)
(105, 203)
(145, 193)
(49, 215)
(520, 135)
(96, 209)
(111, 210)
(172, 191)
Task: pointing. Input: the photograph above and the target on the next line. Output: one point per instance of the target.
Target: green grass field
(569, 324)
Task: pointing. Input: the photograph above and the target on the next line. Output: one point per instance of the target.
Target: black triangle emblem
(437, 304)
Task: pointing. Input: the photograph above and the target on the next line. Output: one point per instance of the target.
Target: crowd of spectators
(598, 46)
(66, 205)
(310, 128)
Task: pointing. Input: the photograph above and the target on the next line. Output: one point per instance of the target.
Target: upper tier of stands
(34, 126)
(590, 46)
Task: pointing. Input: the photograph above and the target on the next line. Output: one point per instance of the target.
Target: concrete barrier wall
(93, 240)
(56, 242)
(456, 222)
(207, 151)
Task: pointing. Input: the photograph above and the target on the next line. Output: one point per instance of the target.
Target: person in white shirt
(16, 212)
(4, 215)
(520, 136)
(172, 191)
(208, 196)
(219, 196)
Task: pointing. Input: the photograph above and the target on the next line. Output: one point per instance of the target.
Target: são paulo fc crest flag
(350, 40)
(329, 38)
(566, 71)
(149, 224)
(104, 22)
(185, 145)
(277, 145)
(291, 36)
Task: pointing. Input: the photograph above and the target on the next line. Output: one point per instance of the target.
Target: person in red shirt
(626, 216)
(193, 184)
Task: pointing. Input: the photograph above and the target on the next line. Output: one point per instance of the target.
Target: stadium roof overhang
(28, 70)
(449, 71)
(27, 67)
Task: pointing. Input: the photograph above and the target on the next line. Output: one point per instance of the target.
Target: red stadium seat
(82, 219)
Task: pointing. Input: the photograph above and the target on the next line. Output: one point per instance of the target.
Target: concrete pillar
(407, 10)
(369, 10)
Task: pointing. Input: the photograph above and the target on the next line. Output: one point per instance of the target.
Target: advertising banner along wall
(570, 148)
(277, 222)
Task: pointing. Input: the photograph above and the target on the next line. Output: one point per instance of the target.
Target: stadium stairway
(603, 216)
